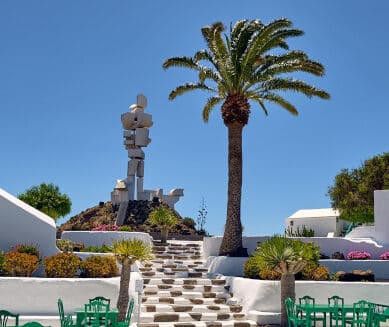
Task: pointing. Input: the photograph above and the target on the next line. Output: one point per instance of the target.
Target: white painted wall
(265, 296)
(361, 232)
(381, 216)
(227, 266)
(38, 296)
(327, 245)
(21, 223)
(322, 226)
(99, 238)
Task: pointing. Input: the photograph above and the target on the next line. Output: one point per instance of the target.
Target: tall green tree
(127, 252)
(237, 68)
(353, 189)
(48, 199)
(286, 256)
(165, 219)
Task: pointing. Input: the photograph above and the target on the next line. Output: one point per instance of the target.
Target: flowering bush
(358, 255)
(26, 248)
(61, 265)
(98, 266)
(105, 228)
(384, 256)
(20, 264)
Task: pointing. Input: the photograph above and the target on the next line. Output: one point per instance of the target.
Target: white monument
(136, 124)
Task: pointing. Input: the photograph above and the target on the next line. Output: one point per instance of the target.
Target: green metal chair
(33, 324)
(294, 319)
(362, 315)
(378, 313)
(127, 321)
(66, 321)
(96, 314)
(314, 316)
(337, 302)
(102, 299)
(4, 315)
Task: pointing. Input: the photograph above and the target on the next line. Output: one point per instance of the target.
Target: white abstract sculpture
(136, 124)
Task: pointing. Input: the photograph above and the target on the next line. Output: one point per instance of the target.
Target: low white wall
(261, 295)
(99, 238)
(21, 223)
(380, 268)
(227, 266)
(361, 232)
(328, 245)
(38, 296)
(211, 245)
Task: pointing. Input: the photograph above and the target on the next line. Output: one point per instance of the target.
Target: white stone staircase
(178, 293)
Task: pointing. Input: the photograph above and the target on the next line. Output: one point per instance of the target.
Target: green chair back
(101, 299)
(336, 301)
(307, 300)
(66, 321)
(33, 324)
(291, 312)
(4, 315)
(96, 314)
(362, 313)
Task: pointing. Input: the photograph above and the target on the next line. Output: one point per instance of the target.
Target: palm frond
(179, 90)
(278, 39)
(259, 100)
(187, 62)
(275, 98)
(211, 103)
(289, 84)
(208, 73)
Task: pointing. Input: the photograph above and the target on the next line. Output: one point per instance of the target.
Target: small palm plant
(286, 256)
(165, 219)
(127, 252)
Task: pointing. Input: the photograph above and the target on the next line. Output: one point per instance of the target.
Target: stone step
(220, 308)
(171, 274)
(150, 317)
(160, 262)
(183, 287)
(184, 281)
(226, 323)
(184, 301)
(189, 294)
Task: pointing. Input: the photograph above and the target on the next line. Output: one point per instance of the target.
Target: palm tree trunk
(287, 290)
(164, 235)
(123, 298)
(232, 238)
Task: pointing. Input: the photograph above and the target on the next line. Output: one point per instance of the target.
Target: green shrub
(61, 265)
(125, 228)
(189, 222)
(99, 267)
(3, 270)
(26, 248)
(20, 264)
(251, 268)
(65, 245)
(321, 273)
(269, 274)
(97, 249)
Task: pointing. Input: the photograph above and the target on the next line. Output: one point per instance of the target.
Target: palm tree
(240, 68)
(165, 219)
(127, 252)
(286, 256)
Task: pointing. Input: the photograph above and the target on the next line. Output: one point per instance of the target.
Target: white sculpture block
(141, 168)
(136, 153)
(129, 120)
(132, 167)
(139, 185)
(177, 192)
(141, 101)
(142, 137)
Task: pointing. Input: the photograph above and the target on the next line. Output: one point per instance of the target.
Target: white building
(324, 222)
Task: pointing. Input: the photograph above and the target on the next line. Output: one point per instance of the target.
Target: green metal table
(309, 309)
(112, 316)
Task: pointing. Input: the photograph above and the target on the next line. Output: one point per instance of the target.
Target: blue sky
(69, 69)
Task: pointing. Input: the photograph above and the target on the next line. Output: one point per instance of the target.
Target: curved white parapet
(21, 223)
(38, 296)
(89, 238)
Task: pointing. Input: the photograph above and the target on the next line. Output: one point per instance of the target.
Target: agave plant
(286, 256)
(127, 252)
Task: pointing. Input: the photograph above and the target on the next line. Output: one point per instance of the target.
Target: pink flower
(104, 228)
(384, 256)
(358, 255)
